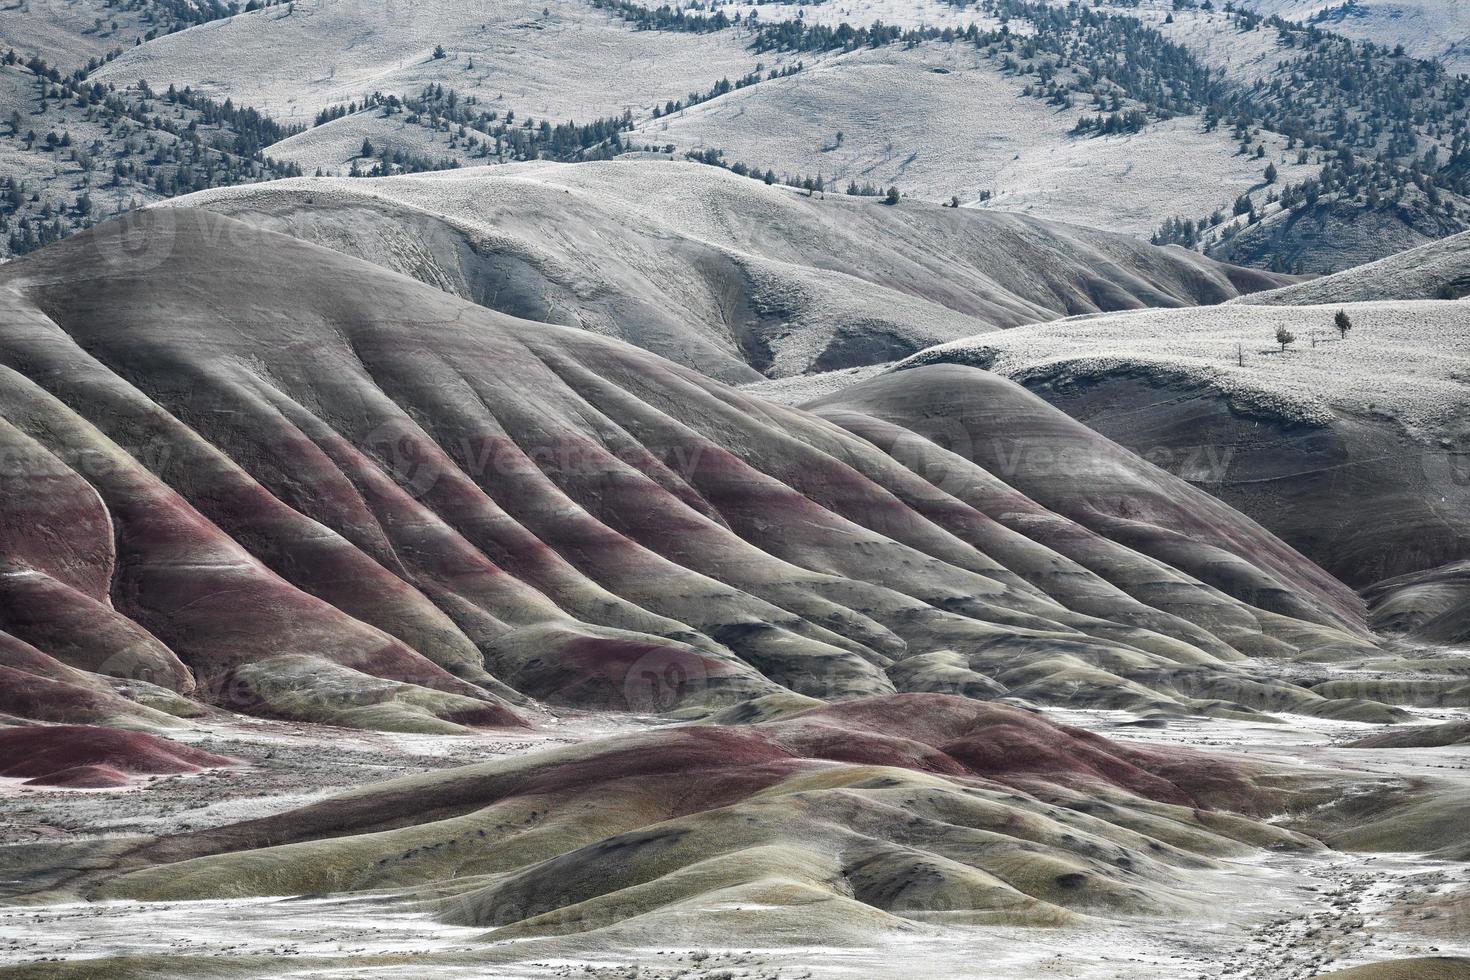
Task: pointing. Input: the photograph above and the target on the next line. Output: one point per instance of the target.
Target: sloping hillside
(1354, 448)
(267, 476)
(79, 31)
(943, 119)
(1437, 29)
(74, 153)
(1438, 270)
(723, 273)
(1260, 142)
(1432, 605)
(548, 58)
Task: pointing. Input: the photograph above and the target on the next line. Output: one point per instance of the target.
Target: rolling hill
(1438, 270)
(998, 104)
(1438, 29)
(725, 490)
(910, 814)
(289, 482)
(723, 273)
(942, 120)
(1352, 448)
(550, 58)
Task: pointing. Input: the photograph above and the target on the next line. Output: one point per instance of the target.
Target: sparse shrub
(891, 197)
(439, 52)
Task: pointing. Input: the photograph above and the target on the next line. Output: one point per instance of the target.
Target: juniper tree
(1343, 323)
(1284, 337)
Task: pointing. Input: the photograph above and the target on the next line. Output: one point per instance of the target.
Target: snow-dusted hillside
(942, 120)
(69, 32)
(903, 13)
(1356, 450)
(554, 58)
(1438, 270)
(332, 147)
(1426, 28)
(74, 157)
(991, 121)
(1406, 359)
(939, 120)
(1245, 56)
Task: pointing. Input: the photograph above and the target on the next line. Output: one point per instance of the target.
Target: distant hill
(1256, 140)
(1356, 449)
(1438, 270)
(724, 273)
(73, 152)
(1437, 29)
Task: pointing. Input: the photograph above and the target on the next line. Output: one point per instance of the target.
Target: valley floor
(1278, 916)
(291, 764)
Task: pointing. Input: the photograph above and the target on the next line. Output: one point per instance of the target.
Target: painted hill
(269, 477)
(83, 757)
(722, 273)
(1432, 605)
(904, 814)
(1417, 736)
